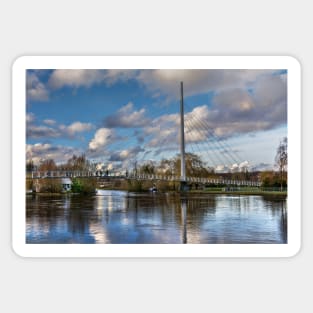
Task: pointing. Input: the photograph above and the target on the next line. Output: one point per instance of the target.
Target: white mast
(182, 136)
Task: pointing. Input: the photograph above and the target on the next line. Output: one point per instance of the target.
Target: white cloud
(233, 112)
(112, 76)
(99, 166)
(42, 131)
(270, 90)
(125, 157)
(221, 168)
(127, 117)
(197, 118)
(164, 82)
(167, 82)
(75, 78)
(102, 137)
(78, 127)
(35, 89)
(244, 165)
(234, 167)
(30, 118)
(234, 100)
(52, 129)
(88, 77)
(43, 151)
(49, 122)
(162, 132)
(125, 154)
(192, 135)
(263, 167)
(239, 111)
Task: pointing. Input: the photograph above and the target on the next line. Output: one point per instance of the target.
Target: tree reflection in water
(156, 218)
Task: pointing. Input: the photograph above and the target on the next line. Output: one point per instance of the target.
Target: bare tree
(281, 160)
(47, 165)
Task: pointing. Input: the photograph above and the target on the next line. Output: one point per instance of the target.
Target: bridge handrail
(73, 174)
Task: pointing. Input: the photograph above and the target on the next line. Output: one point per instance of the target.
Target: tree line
(195, 167)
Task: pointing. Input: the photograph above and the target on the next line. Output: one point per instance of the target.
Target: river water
(121, 217)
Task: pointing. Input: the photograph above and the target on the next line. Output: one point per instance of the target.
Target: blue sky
(117, 117)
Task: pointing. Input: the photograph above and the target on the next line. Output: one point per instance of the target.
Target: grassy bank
(242, 192)
(89, 185)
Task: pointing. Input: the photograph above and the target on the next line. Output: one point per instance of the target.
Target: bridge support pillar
(183, 186)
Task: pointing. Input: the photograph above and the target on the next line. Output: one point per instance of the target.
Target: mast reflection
(184, 220)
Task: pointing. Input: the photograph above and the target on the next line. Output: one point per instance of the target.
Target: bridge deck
(86, 174)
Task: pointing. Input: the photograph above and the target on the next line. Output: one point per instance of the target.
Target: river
(135, 218)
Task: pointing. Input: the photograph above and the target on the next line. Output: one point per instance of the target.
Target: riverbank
(282, 194)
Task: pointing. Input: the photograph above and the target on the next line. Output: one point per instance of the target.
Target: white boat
(112, 193)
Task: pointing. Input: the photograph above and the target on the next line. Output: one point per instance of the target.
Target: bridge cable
(213, 143)
(218, 143)
(214, 163)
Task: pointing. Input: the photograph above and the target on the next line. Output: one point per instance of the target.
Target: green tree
(30, 166)
(267, 178)
(84, 185)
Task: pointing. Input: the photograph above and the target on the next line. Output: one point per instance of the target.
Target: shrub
(84, 185)
(50, 185)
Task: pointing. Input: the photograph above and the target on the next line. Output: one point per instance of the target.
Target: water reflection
(119, 217)
(283, 222)
(184, 220)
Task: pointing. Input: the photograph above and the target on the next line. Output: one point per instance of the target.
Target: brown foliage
(47, 165)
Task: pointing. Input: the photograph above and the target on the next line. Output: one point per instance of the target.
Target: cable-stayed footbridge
(197, 131)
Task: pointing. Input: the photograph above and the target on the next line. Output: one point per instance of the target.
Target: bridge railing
(63, 174)
(203, 180)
